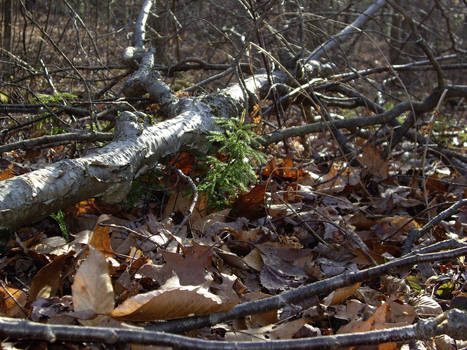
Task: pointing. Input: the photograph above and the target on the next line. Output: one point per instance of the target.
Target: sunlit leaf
(170, 301)
(92, 287)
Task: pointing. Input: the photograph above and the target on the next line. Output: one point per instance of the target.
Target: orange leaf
(6, 174)
(100, 239)
(288, 170)
(11, 301)
(270, 168)
(184, 162)
(84, 207)
(153, 107)
(182, 94)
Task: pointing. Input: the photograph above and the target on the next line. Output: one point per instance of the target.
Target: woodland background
(119, 210)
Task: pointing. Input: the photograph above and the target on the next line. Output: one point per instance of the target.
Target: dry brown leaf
(375, 321)
(52, 310)
(335, 180)
(191, 267)
(401, 314)
(179, 202)
(395, 228)
(361, 221)
(387, 315)
(287, 330)
(92, 287)
(211, 225)
(226, 290)
(170, 301)
(372, 160)
(47, 280)
(279, 274)
(247, 235)
(264, 318)
(231, 259)
(11, 302)
(339, 295)
(445, 342)
(253, 259)
(251, 204)
(198, 254)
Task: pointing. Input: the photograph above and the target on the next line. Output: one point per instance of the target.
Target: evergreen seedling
(224, 180)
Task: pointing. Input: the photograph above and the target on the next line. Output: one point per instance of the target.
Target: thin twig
(193, 201)
(57, 139)
(427, 142)
(415, 234)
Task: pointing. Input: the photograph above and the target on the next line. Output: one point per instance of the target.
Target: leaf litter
(296, 227)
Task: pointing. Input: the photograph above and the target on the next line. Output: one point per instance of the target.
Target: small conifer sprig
(225, 180)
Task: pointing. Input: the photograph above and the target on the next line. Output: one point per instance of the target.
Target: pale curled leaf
(92, 288)
(426, 306)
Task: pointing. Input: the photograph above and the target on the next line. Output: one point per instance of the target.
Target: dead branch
(382, 118)
(57, 139)
(452, 323)
(416, 234)
(354, 27)
(317, 288)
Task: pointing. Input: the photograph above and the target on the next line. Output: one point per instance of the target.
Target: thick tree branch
(382, 118)
(354, 27)
(452, 323)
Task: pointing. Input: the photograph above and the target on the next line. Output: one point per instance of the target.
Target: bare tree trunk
(6, 37)
(395, 36)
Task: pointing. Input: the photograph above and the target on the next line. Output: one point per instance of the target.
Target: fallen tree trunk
(109, 172)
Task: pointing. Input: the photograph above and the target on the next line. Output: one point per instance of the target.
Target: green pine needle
(225, 180)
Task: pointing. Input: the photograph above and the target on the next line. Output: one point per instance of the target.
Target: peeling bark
(108, 172)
